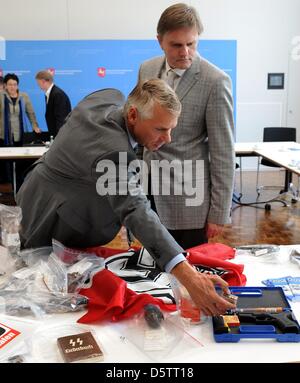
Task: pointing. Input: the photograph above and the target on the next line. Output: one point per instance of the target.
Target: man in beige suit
(204, 133)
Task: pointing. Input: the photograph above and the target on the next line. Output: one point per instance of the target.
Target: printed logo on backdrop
(51, 71)
(101, 71)
(18, 72)
(2, 48)
(67, 72)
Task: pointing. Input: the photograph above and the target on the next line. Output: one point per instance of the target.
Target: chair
(275, 135)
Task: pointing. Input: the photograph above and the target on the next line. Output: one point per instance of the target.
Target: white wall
(264, 30)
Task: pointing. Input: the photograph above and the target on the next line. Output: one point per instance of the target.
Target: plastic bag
(79, 266)
(48, 284)
(7, 265)
(265, 253)
(14, 333)
(32, 256)
(10, 220)
(43, 344)
(295, 256)
(38, 304)
(55, 274)
(167, 339)
(185, 305)
(67, 255)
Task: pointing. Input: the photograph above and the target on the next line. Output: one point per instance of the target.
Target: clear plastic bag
(14, 333)
(43, 344)
(48, 284)
(55, 275)
(79, 266)
(185, 305)
(7, 265)
(159, 342)
(32, 256)
(40, 290)
(67, 255)
(265, 253)
(38, 304)
(295, 256)
(10, 220)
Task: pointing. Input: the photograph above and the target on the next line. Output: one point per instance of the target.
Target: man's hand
(201, 288)
(213, 229)
(37, 129)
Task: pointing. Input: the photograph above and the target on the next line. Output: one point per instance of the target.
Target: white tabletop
(254, 147)
(22, 152)
(121, 345)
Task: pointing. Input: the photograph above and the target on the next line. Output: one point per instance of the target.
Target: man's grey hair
(178, 16)
(145, 95)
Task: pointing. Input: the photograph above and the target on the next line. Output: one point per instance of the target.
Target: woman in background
(14, 107)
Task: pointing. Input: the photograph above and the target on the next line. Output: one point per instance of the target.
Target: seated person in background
(14, 106)
(84, 188)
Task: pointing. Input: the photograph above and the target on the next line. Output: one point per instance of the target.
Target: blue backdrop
(81, 67)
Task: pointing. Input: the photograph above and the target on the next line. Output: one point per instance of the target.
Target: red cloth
(110, 299)
(104, 252)
(216, 255)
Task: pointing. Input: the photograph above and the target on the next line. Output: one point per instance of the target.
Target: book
(80, 348)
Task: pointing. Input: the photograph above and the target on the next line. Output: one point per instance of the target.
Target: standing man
(85, 187)
(204, 131)
(58, 104)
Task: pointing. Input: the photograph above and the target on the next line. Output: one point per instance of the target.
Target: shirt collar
(49, 90)
(178, 71)
(132, 141)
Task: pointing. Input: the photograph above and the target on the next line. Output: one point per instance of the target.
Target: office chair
(275, 135)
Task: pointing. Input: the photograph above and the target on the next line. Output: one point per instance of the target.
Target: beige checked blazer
(204, 132)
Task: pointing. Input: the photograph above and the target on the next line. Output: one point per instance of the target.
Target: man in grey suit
(86, 185)
(204, 131)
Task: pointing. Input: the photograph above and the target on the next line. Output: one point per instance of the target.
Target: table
(19, 153)
(285, 154)
(199, 346)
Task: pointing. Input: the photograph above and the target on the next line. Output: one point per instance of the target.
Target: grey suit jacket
(204, 132)
(59, 197)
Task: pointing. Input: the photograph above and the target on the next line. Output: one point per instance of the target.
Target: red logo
(51, 71)
(101, 72)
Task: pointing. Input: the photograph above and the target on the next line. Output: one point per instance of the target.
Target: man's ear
(159, 38)
(132, 115)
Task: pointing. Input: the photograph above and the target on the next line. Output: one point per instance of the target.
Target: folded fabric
(216, 250)
(111, 299)
(215, 255)
(119, 293)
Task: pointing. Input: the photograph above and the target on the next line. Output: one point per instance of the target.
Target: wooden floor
(280, 225)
